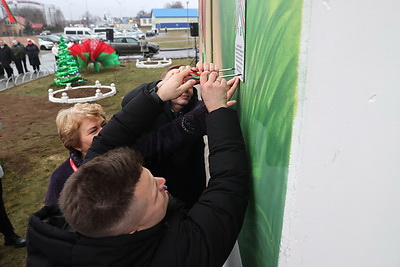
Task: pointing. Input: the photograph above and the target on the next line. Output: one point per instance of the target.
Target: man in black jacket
(6, 57)
(122, 215)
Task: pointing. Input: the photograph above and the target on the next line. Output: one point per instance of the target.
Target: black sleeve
(127, 125)
(134, 92)
(213, 224)
(172, 136)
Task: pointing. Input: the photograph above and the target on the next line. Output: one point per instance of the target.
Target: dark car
(124, 45)
(151, 33)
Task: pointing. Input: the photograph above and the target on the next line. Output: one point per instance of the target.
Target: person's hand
(172, 86)
(232, 86)
(214, 90)
(169, 75)
(211, 67)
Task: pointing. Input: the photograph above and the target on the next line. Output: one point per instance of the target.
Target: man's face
(183, 99)
(153, 199)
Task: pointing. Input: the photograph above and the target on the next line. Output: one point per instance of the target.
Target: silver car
(45, 45)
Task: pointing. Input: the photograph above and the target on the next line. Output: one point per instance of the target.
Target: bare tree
(140, 14)
(88, 18)
(60, 17)
(176, 4)
(32, 14)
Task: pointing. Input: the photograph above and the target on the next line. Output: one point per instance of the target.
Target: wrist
(154, 93)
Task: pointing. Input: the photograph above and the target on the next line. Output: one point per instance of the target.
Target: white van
(82, 32)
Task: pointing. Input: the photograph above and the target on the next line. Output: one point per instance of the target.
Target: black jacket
(6, 55)
(184, 163)
(33, 51)
(201, 236)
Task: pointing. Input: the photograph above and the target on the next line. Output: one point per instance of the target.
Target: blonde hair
(69, 121)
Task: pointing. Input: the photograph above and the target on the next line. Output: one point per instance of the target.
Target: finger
(231, 103)
(204, 77)
(232, 81)
(213, 77)
(186, 86)
(212, 66)
(216, 68)
(230, 92)
(206, 66)
(233, 88)
(199, 66)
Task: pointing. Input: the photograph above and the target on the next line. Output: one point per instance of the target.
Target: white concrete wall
(343, 199)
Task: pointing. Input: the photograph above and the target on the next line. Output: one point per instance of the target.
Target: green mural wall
(267, 106)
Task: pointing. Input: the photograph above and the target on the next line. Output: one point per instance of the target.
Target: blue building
(173, 18)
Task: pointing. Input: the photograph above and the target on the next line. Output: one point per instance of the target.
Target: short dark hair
(98, 198)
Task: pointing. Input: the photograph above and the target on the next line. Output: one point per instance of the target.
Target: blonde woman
(76, 128)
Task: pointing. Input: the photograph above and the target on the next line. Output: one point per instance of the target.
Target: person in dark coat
(23, 59)
(1, 72)
(6, 57)
(186, 162)
(6, 228)
(19, 55)
(33, 51)
(118, 214)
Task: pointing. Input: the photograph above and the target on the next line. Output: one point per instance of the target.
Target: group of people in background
(17, 54)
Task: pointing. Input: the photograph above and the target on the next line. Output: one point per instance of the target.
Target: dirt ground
(19, 114)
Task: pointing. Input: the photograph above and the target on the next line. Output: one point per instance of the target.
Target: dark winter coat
(33, 54)
(186, 162)
(59, 177)
(18, 52)
(6, 55)
(153, 146)
(201, 236)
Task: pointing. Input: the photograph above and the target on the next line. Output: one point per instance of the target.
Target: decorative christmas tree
(67, 67)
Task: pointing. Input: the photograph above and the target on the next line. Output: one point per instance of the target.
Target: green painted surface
(267, 106)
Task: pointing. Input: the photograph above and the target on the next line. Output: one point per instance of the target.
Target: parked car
(45, 45)
(45, 33)
(71, 38)
(135, 35)
(100, 35)
(50, 38)
(124, 45)
(151, 33)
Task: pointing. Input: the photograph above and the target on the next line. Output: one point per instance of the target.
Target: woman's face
(89, 128)
(179, 103)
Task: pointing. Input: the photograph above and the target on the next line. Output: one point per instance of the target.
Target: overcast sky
(126, 8)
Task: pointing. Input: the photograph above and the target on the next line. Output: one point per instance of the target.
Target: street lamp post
(120, 2)
(70, 13)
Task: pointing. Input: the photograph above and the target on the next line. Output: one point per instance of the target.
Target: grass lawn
(30, 148)
(174, 39)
